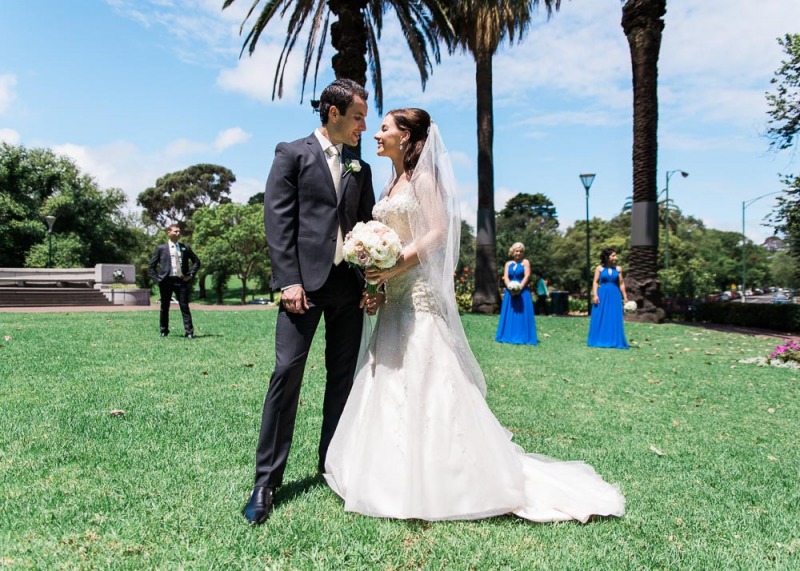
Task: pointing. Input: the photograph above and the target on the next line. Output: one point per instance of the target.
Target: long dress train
(417, 439)
(606, 327)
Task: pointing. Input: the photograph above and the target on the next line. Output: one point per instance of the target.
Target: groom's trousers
(338, 302)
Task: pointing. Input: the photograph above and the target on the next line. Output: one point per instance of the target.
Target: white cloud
(254, 75)
(183, 147)
(231, 137)
(9, 136)
(244, 188)
(123, 165)
(7, 92)
(204, 31)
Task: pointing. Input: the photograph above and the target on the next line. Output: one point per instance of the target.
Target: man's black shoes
(259, 507)
(189, 335)
(164, 334)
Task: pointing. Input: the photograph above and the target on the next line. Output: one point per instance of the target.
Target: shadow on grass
(292, 490)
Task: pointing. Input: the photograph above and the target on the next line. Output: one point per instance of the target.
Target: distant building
(774, 244)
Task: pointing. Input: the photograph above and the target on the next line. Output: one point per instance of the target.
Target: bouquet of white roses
(371, 245)
(514, 287)
(630, 306)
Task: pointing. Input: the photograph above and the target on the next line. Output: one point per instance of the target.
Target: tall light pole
(684, 174)
(587, 180)
(745, 204)
(50, 221)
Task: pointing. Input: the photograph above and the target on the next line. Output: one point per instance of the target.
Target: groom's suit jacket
(161, 265)
(302, 214)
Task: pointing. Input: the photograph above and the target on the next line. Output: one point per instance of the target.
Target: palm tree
(480, 27)
(668, 213)
(355, 28)
(642, 22)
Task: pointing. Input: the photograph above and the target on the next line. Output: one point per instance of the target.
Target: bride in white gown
(417, 439)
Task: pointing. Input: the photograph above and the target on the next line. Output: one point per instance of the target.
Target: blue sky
(134, 89)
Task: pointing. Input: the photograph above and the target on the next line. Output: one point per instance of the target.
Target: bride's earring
(401, 146)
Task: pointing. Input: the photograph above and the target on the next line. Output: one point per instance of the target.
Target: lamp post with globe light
(587, 180)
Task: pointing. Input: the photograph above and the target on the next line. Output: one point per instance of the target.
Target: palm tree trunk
(642, 22)
(487, 295)
(349, 39)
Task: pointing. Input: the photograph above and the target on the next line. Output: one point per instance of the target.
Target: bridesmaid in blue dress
(608, 294)
(517, 324)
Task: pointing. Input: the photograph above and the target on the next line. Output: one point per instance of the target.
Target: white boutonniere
(351, 166)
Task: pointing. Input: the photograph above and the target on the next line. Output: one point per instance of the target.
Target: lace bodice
(409, 290)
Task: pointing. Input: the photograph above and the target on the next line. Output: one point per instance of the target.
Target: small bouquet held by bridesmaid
(371, 245)
(630, 306)
(514, 287)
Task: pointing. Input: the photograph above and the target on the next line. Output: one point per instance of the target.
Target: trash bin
(559, 302)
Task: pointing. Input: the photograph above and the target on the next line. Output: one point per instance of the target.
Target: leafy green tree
(784, 126)
(782, 268)
(722, 252)
(643, 23)
(90, 226)
(784, 103)
(532, 220)
(691, 279)
(355, 28)
(481, 26)
(177, 196)
(257, 198)
(466, 253)
(68, 251)
(568, 270)
(230, 238)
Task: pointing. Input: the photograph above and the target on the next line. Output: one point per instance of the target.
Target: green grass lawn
(704, 449)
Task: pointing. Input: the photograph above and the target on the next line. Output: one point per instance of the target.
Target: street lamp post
(50, 221)
(684, 174)
(745, 204)
(587, 180)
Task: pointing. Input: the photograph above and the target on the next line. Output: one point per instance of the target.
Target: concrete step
(52, 297)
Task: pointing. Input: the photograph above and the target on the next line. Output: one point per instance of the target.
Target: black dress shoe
(259, 507)
(189, 335)
(164, 334)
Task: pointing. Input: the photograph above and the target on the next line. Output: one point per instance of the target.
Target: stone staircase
(51, 297)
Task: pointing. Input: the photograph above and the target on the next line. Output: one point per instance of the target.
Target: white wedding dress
(417, 439)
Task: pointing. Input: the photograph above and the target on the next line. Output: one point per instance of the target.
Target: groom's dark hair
(339, 94)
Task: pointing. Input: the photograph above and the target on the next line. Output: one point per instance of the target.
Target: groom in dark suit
(169, 268)
(317, 190)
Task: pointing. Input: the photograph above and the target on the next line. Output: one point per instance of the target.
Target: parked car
(780, 298)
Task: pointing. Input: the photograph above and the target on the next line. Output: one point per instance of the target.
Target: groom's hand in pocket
(294, 299)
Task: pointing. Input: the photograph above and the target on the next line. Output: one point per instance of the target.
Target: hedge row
(779, 317)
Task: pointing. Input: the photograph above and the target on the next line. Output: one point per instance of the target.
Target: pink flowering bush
(787, 352)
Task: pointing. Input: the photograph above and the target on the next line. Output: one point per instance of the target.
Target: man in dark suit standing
(169, 268)
(317, 190)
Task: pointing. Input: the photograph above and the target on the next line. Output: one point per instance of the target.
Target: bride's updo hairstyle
(416, 122)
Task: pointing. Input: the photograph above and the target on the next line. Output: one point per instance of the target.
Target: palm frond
(375, 68)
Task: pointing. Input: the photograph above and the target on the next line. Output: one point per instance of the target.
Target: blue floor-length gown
(517, 324)
(606, 327)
